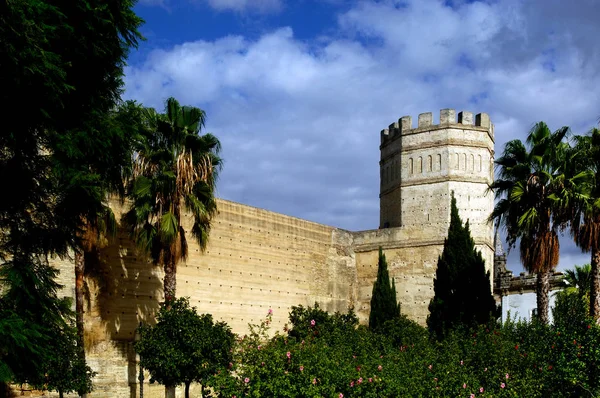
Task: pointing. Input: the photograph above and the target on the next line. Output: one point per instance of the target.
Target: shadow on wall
(122, 289)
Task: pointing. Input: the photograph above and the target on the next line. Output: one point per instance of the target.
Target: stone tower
(420, 167)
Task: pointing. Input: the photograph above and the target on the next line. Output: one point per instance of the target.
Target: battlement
(448, 118)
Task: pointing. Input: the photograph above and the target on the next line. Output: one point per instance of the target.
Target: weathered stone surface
(258, 260)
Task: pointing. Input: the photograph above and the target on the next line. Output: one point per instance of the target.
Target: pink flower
(370, 380)
(314, 381)
(502, 385)
(352, 384)
(507, 376)
(435, 379)
(359, 381)
(246, 380)
(461, 363)
(464, 385)
(262, 363)
(258, 348)
(270, 311)
(430, 366)
(301, 368)
(472, 396)
(288, 354)
(481, 389)
(312, 322)
(358, 368)
(485, 370)
(341, 395)
(379, 368)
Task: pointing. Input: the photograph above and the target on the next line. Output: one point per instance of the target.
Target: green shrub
(517, 359)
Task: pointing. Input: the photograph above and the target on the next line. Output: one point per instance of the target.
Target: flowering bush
(343, 359)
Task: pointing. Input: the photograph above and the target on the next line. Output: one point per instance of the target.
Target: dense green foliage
(384, 305)
(579, 200)
(579, 279)
(183, 346)
(61, 68)
(462, 292)
(65, 369)
(514, 360)
(175, 168)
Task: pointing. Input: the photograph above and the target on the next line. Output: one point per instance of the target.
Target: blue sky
(298, 90)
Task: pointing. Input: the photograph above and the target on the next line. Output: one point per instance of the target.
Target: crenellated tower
(420, 167)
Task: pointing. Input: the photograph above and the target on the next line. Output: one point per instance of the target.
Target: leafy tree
(315, 322)
(183, 346)
(384, 305)
(570, 309)
(19, 339)
(65, 61)
(30, 290)
(66, 370)
(175, 170)
(462, 290)
(530, 179)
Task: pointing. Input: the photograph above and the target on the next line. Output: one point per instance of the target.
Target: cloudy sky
(298, 90)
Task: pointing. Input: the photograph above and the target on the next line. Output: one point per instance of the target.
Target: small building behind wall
(516, 294)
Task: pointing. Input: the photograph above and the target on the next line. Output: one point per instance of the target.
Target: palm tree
(529, 176)
(175, 169)
(585, 222)
(579, 278)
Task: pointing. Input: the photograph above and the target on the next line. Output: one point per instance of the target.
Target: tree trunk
(595, 284)
(169, 391)
(187, 389)
(79, 268)
(542, 290)
(60, 394)
(170, 281)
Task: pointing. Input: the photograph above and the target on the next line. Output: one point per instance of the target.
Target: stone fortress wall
(258, 260)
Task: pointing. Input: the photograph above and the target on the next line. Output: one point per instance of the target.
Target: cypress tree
(462, 291)
(384, 305)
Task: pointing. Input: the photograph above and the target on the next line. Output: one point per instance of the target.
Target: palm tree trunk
(79, 269)
(170, 281)
(187, 389)
(595, 284)
(542, 290)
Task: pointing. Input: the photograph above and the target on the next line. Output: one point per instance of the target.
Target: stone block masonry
(421, 166)
(258, 260)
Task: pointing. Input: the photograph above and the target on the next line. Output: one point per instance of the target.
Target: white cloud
(260, 6)
(300, 120)
(243, 5)
(154, 3)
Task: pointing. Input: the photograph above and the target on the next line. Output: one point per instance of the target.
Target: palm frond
(169, 227)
